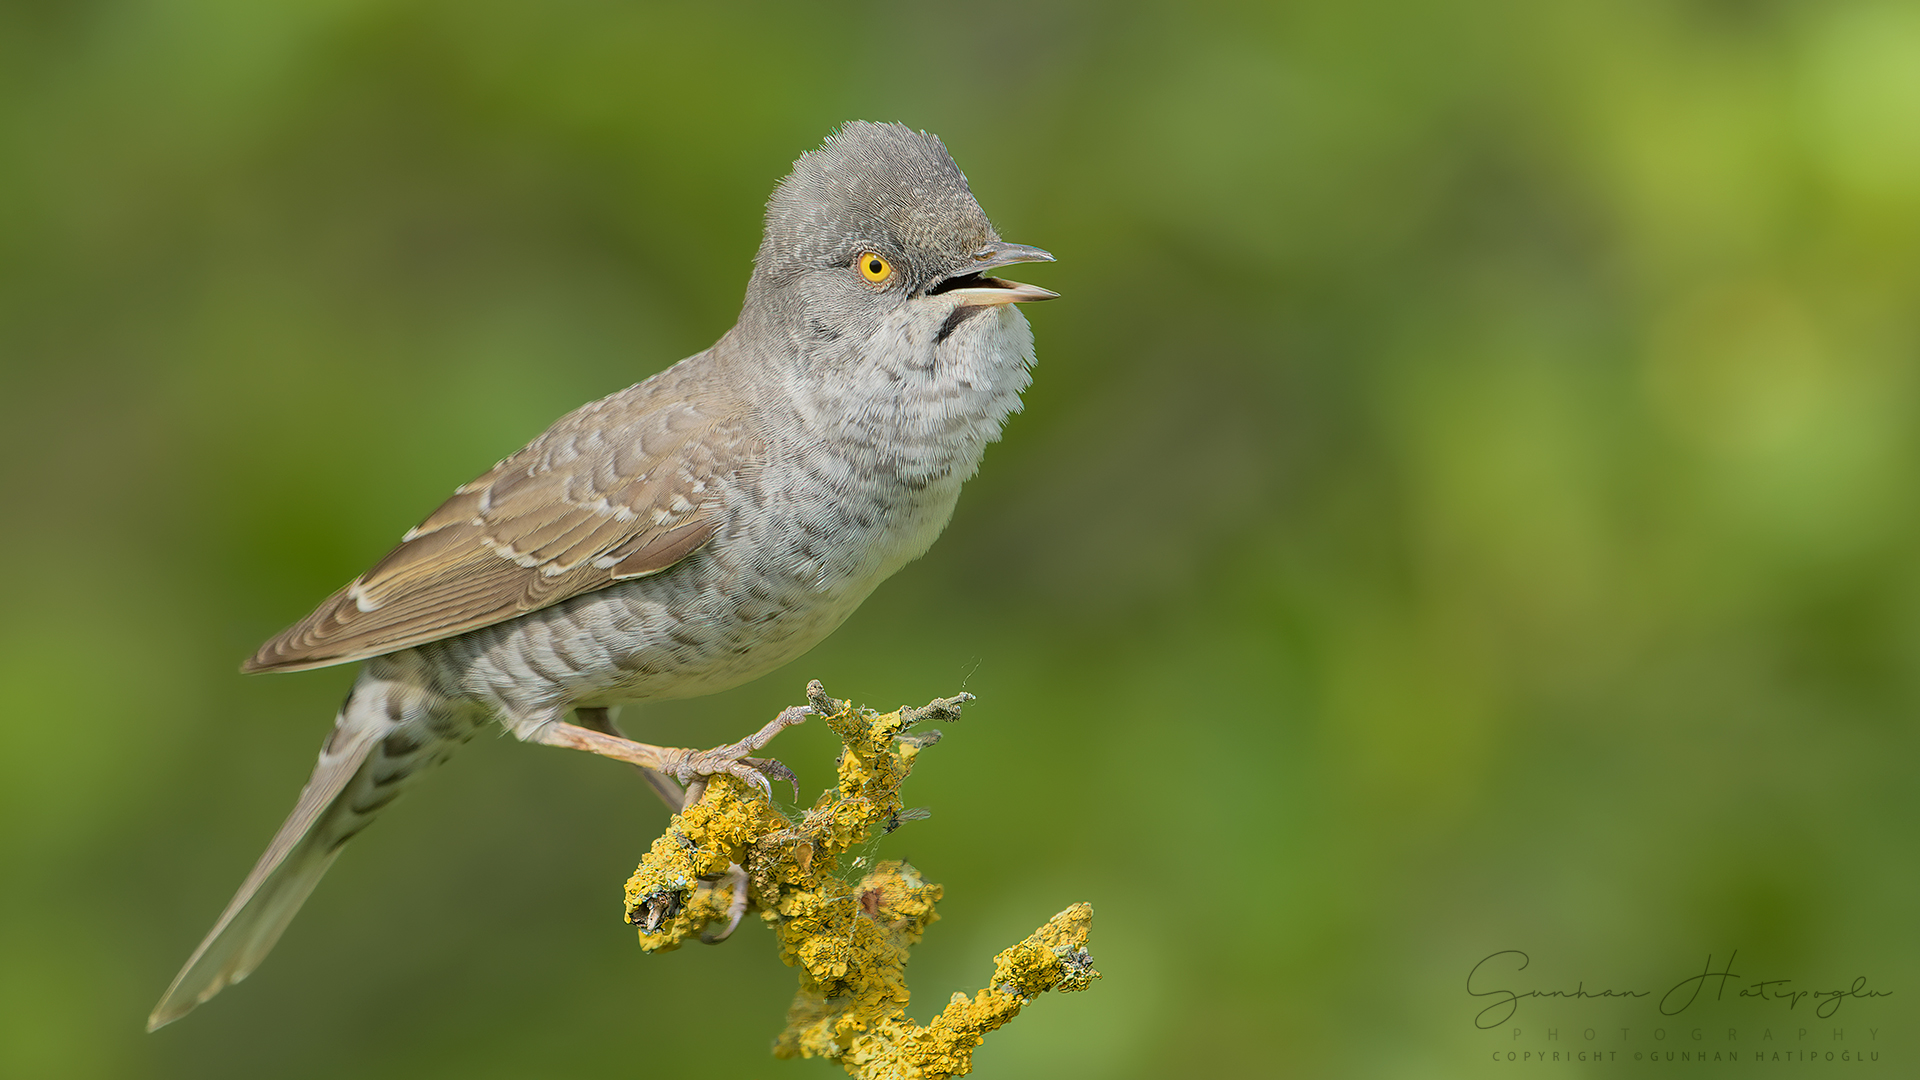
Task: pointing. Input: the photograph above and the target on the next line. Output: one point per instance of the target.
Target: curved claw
(736, 905)
(774, 770)
(693, 768)
(752, 777)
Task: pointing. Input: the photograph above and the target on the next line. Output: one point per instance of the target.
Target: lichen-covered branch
(849, 938)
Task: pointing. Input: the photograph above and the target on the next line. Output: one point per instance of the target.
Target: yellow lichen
(849, 939)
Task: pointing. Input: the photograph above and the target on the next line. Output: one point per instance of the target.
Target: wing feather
(621, 488)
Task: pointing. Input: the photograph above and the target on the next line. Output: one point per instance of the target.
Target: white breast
(861, 478)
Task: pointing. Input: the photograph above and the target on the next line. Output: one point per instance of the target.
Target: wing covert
(621, 488)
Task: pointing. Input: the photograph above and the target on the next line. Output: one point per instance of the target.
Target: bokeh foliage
(1466, 503)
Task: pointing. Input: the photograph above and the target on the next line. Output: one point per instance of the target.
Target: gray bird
(682, 536)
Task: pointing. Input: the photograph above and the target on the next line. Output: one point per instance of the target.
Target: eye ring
(874, 267)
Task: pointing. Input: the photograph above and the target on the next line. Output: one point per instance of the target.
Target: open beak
(972, 286)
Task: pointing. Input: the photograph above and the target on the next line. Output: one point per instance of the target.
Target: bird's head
(877, 232)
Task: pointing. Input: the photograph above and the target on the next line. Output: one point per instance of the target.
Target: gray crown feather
(870, 181)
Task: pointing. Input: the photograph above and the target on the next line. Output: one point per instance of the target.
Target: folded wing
(621, 488)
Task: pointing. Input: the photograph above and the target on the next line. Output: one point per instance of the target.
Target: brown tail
(350, 785)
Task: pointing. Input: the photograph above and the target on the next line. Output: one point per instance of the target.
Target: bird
(681, 536)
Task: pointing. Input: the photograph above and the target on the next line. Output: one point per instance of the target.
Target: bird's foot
(600, 719)
(694, 767)
(736, 878)
(691, 767)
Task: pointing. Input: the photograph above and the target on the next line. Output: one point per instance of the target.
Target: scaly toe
(751, 777)
(697, 765)
(788, 717)
(736, 905)
(774, 770)
(692, 767)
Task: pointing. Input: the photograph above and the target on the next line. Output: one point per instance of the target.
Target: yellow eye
(873, 267)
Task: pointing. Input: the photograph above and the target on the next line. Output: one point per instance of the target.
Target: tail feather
(349, 786)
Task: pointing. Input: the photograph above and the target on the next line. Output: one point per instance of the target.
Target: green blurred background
(1465, 503)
